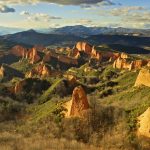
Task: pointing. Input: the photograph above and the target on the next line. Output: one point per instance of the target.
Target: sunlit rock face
(33, 56)
(19, 51)
(2, 71)
(124, 62)
(78, 104)
(124, 56)
(85, 47)
(143, 77)
(121, 63)
(41, 70)
(144, 124)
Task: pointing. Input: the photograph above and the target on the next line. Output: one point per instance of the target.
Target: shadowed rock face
(8, 72)
(79, 102)
(143, 77)
(60, 58)
(144, 124)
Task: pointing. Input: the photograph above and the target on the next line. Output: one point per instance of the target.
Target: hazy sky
(57, 13)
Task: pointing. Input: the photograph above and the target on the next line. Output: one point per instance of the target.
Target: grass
(47, 95)
(39, 112)
(23, 66)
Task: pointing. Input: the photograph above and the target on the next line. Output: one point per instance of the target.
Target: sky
(58, 13)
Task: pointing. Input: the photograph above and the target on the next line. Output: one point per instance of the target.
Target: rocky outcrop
(19, 87)
(83, 46)
(60, 58)
(2, 71)
(78, 104)
(143, 77)
(41, 70)
(124, 56)
(8, 73)
(144, 124)
(121, 63)
(33, 56)
(19, 51)
(128, 63)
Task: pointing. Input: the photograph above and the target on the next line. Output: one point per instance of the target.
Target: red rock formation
(19, 51)
(60, 58)
(2, 71)
(79, 102)
(74, 53)
(120, 63)
(33, 56)
(123, 63)
(138, 64)
(96, 55)
(144, 124)
(85, 47)
(124, 55)
(67, 60)
(47, 57)
(143, 77)
(41, 70)
(18, 87)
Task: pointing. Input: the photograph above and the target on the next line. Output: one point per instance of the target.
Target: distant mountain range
(127, 43)
(31, 37)
(8, 30)
(82, 31)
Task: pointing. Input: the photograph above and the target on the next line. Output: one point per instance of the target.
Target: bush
(10, 109)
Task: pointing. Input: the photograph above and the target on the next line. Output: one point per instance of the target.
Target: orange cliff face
(144, 124)
(143, 77)
(2, 71)
(41, 70)
(122, 62)
(78, 104)
(19, 51)
(86, 48)
(33, 56)
(83, 46)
